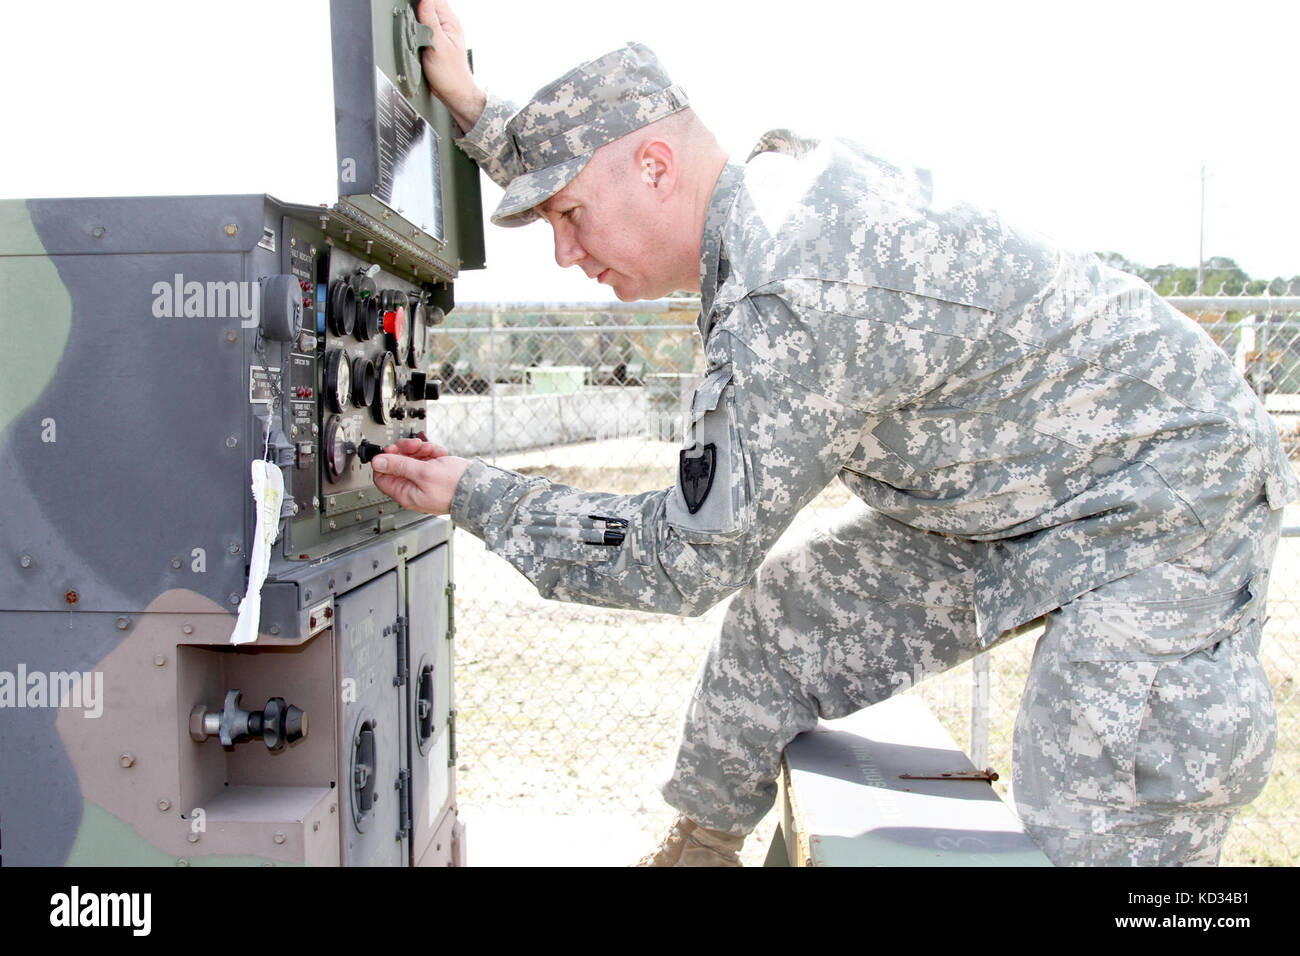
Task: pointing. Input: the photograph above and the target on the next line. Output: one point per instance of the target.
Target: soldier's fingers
(399, 466)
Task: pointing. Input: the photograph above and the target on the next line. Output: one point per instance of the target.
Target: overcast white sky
(1086, 121)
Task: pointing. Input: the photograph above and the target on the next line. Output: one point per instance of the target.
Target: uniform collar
(713, 266)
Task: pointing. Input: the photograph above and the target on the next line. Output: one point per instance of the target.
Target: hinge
(403, 786)
(451, 738)
(403, 663)
(451, 609)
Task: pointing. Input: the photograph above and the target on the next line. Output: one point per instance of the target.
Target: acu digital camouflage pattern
(1026, 426)
(552, 138)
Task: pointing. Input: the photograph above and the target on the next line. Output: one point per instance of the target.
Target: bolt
(311, 251)
(275, 629)
(123, 624)
(234, 547)
(193, 838)
(234, 598)
(164, 805)
(232, 441)
(176, 563)
(160, 660)
(293, 240)
(72, 597)
(332, 808)
(25, 560)
(232, 336)
(231, 229)
(98, 232)
(295, 507)
(127, 761)
(315, 826)
(182, 862)
(188, 628)
(278, 838)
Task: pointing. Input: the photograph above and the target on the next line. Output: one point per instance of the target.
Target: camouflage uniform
(1029, 432)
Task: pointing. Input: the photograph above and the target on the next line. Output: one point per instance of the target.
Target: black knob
(367, 450)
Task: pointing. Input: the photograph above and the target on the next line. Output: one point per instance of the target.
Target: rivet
(72, 597)
(278, 838)
(182, 862)
(231, 229)
(127, 761)
(234, 598)
(25, 560)
(275, 629)
(123, 624)
(193, 838)
(234, 547)
(232, 336)
(98, 232)
(160, 660)
(232, 441)
(164, 805)
(188, 628)
(176, 563)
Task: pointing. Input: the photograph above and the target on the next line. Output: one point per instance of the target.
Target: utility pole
(1200, 256)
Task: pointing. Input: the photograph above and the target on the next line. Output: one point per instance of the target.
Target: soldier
(1030, 434)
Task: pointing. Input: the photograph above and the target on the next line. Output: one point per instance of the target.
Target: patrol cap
(565, 121)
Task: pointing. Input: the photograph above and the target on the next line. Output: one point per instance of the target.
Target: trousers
(1146, 721)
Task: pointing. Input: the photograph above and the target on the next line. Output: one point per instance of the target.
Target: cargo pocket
(1155, 699)
(711, 497)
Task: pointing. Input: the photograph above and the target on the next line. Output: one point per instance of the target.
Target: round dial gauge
(386, 394)
(367, 309)
(342, 307)
(419, 334)
(339, 448)
(363, 381)
(338, 379)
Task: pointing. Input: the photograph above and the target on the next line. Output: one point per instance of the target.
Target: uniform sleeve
(489, 145)
(760, 443)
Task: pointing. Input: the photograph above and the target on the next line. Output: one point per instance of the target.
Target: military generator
(219, 643)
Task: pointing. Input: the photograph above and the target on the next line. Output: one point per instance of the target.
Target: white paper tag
(268, 492)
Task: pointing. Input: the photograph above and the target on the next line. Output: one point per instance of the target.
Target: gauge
(386, 396)
(363, 381)
(367, 309)
(419, 334)
(339, 447)
(338, 379)
(342, 307)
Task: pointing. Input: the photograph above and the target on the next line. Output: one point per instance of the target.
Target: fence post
(979, 711)
(492, 380)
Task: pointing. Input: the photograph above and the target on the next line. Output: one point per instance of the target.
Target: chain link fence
(570, 709)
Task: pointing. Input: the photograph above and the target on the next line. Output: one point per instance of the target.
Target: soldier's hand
(418, 475)
(446, 64)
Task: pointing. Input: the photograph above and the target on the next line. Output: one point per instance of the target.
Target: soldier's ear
(657, 166)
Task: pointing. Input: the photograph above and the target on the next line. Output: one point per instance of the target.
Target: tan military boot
(689, 844)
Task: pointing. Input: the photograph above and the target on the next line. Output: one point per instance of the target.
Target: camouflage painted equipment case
(157, 348)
